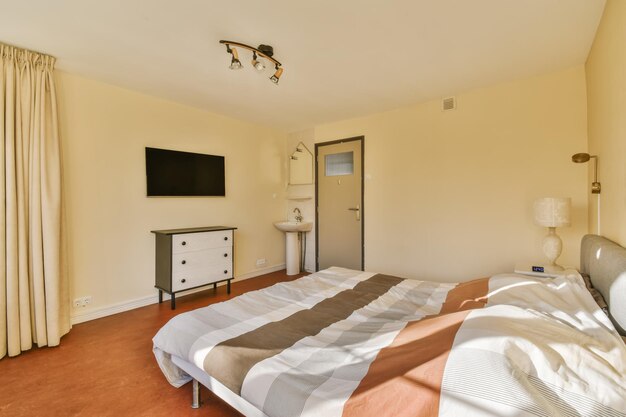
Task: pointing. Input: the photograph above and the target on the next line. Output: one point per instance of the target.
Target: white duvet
(537, 347)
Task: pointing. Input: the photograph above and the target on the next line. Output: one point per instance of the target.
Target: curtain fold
(34, 296)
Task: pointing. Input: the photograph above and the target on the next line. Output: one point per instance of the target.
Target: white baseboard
(262, 271)
(81, 317)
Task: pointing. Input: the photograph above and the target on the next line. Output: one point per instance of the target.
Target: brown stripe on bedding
(405, 378)
(230, 361)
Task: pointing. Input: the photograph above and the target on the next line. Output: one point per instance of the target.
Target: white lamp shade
(552, 211)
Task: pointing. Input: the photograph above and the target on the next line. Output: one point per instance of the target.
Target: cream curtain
(34, 296)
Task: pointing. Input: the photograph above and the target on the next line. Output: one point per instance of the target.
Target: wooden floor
(105, 367)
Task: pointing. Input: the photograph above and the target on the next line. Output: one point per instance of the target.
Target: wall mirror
(301, 166)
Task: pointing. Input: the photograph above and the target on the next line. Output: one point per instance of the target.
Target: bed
(352, 343)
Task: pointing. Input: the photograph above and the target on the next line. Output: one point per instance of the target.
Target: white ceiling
(342, 58)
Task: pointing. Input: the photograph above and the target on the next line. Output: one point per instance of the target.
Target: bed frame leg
(195, 399)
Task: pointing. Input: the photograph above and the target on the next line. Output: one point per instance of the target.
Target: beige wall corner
(449, 195)
(104, 132)
(606, 92)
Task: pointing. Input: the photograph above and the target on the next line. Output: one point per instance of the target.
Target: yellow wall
(104, 131)
(450, 194)
(606, 91)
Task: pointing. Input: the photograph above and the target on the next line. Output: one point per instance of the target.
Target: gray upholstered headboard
(605, 262)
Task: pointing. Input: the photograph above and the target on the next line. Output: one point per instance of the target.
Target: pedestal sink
(292, 248)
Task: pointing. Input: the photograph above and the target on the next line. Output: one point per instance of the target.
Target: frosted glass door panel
(339, 164)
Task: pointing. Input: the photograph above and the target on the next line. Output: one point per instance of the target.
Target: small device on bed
(537, 270)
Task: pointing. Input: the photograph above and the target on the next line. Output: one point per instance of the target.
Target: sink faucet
(298, 214)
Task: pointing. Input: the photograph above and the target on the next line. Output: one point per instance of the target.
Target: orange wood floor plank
(105, 367)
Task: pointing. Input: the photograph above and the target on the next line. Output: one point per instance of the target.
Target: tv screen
(174, 173)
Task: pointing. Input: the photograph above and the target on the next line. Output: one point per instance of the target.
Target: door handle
(358, 212)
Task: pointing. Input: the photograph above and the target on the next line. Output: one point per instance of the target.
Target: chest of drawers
(192, 258)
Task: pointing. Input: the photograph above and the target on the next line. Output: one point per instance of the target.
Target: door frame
(317, 240)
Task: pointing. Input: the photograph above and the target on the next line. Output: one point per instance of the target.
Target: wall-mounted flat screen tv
(174, 173)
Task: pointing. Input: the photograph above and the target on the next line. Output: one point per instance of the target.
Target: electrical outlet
(260, 262)
(82, 301)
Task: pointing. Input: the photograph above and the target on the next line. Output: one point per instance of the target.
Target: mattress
(352, 343)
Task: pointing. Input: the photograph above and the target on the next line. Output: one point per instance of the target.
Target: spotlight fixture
(276, 77)
(258, 65)
(580, 158)
(263, 51)
(235, 63)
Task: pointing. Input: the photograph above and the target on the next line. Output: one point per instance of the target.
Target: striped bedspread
(350, 343)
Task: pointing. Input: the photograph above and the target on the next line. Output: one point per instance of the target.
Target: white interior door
(340, 204)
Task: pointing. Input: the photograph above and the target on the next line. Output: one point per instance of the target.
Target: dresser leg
(214, 286)
(160, 296)
(173, 301)
(228, 286)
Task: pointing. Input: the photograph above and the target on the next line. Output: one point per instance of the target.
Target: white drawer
(195, 277)
(190, 242)
(186, 261)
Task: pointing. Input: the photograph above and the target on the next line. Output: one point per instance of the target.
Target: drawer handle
(183, 280)
(225, 255)
(184, 262)
(225, 237)
(184, 243)
(226, 271)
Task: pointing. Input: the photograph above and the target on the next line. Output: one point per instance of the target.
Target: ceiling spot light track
(262, 52)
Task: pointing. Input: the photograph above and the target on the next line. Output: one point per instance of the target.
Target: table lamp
(552, 212)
